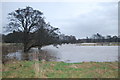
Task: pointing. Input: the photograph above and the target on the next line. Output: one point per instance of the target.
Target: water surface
(72, 53)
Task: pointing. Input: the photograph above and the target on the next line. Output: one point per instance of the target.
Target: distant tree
(114, 39)
(118, 38)
(98, 38)
(72, 39)
(108, 37)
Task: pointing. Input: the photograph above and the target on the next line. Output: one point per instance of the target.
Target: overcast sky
(80, 19)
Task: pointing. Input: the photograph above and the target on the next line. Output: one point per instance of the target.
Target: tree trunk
(26, 40)
(39, 48)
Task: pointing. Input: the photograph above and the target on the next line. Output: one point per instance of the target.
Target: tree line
(97, 38)
(16, 37)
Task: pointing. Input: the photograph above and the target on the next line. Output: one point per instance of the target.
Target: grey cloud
(102, 20)
(78, 19)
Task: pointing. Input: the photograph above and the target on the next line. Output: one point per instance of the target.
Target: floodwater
(72, 53)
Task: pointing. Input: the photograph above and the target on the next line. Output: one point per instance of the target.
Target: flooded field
(72, 53)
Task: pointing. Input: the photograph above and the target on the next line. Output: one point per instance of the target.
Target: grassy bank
(99, 44)
(44, 69)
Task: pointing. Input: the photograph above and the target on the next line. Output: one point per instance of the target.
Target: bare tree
(25, 20)
(35, 30)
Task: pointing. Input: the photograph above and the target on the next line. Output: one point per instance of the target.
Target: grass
(26, 69)
(100, 44)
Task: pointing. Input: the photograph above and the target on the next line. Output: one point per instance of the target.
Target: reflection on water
(16, 55)
(32, 54)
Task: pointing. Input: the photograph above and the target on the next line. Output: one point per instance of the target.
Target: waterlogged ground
(75, 53)
(79, 63)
